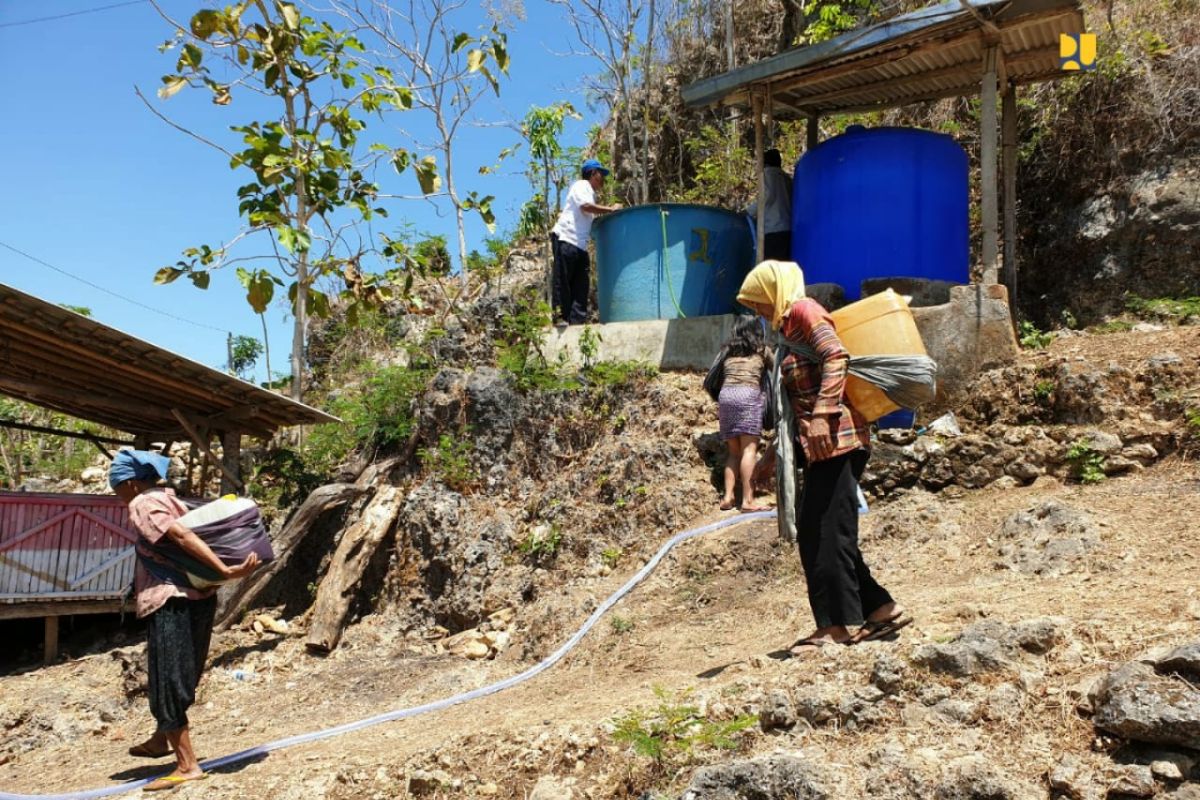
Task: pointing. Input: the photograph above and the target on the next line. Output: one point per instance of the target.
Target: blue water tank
(881, 203)
(670, 260)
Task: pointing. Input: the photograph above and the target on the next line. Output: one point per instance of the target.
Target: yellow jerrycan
(881, 324)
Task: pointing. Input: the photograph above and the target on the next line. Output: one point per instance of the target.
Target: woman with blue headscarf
(179, 617)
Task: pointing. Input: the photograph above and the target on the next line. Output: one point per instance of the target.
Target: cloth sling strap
(908, 381)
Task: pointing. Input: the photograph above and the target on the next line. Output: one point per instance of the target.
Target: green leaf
(460, 42)
(171, 86)
(400, 160)
(243, 55)
(403, 98)
(260, 288)
(427, 175)
(200, 278)
(474, 60)
(500, 53)
(291, 16)
(167, 275)
(318, 304)
(191, 56)
(205, 23)
(293, 241)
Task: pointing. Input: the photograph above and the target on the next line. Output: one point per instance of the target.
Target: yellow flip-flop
(168, 782)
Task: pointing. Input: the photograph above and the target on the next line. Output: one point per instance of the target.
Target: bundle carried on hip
(232, 527)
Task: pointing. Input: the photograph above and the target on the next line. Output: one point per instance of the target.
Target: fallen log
(231, 605)
(354, 552)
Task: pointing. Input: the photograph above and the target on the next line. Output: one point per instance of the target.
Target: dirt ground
(710, 620)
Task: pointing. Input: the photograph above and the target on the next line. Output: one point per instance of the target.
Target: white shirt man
(777, 213)
(571, 281)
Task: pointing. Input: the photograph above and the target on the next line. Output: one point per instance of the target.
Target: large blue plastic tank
(881, 203)
(670, 260)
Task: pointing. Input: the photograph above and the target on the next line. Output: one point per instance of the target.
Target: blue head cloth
(137, 465)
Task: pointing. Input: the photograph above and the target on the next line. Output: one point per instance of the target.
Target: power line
(71, 14)
(37, 260)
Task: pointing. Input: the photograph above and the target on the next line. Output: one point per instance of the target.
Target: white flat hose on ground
(437, 705)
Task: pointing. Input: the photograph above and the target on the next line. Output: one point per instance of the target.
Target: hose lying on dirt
(437, 705)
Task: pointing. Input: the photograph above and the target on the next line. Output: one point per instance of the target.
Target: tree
(243, 355)
(449, 71)
(607, 31)
(306, 188)
(542, 128)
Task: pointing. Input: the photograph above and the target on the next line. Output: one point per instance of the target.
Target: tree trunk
(243, 594)
(354, 553)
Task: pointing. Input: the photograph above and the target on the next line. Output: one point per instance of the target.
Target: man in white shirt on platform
(571, 282)
(777, 213)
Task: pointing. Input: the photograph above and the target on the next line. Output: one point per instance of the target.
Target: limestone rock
(1184, 660)
(426, 783)
(777, 711)
(551, 788)
(1047, 539)
(780, 776)
(973, 778)
(1134, 702)
(888, 673)
(1070, 778)
(1134, 780)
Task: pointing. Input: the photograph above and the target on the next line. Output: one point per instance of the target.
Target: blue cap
(592, 164)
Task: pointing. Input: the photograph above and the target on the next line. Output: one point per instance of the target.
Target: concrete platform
(970, 333)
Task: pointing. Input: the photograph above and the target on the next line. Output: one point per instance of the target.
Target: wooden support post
(987, 169)
(231, 460)
(813, 132)
(190, 430)
(1009, 158)
(760, 235)
(50, 643)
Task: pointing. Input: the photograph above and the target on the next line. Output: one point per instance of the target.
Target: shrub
(1033, 339)
(378, 414)
(542, 544)
(1180, 310)
(451, 462)
(1086, 463)
(674, 729)
(520, 347)
(1042, 391)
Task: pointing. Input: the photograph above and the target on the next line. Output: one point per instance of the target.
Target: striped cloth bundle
(231, 526)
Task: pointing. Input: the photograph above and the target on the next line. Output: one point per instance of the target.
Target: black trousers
(841, 590)
(570, 282)
(177, 638)
(778, 246)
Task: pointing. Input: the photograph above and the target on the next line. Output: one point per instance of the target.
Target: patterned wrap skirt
(740, 411)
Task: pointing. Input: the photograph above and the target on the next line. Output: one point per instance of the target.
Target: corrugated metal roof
(61, 360)
(925, 55)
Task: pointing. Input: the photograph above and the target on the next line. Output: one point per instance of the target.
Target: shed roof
(928, 54)
(61, 360)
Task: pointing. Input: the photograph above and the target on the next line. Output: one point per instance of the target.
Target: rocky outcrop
(782, 776)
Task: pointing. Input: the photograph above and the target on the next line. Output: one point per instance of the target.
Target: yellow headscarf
(777, 284)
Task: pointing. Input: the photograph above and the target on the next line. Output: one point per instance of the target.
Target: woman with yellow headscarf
(834, 445)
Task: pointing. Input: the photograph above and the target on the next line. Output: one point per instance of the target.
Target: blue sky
(99, 187)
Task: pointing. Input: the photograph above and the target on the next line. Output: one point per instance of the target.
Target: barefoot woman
(179, 618)
(835, 445)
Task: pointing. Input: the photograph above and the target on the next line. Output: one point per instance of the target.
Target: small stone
(1132, 779)
(888, 673)
(778, 711)
(1069, 777)
(488, 789)
(1166, 771)
(423, 783)
(945, 425)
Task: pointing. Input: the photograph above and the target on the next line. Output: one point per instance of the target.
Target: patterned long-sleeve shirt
(818, 387)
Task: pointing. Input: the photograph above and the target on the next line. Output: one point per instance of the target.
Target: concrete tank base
(967, 335)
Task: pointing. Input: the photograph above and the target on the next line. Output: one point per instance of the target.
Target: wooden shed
(63, 554)
(956, 48)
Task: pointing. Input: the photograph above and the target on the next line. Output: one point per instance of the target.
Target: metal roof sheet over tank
(924, 55)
